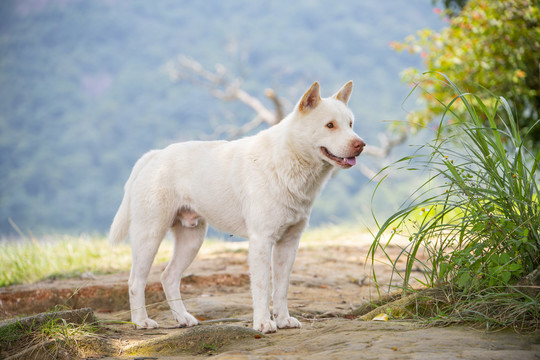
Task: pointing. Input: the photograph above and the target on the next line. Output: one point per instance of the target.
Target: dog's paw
(288, 323)
(146, 324)
(266, 326)
(185, 320)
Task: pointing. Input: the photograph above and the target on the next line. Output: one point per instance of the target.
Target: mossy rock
(196, 340)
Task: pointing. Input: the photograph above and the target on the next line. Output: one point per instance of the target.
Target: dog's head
(329, 122)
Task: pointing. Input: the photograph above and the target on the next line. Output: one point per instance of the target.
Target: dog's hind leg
(144, 246)
(188, 241)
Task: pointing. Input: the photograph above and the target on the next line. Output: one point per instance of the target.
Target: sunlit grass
(332, 234)
(27, 261)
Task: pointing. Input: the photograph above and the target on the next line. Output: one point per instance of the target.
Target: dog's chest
(295, 193)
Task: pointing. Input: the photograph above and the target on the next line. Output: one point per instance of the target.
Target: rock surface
(330, 278)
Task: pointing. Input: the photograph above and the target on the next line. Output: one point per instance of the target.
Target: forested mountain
(84, 93)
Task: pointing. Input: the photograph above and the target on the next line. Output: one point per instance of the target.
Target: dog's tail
(120, 225)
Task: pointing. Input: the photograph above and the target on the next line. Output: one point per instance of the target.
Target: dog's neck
(294, 162)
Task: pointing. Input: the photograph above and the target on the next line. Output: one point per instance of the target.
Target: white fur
(260, 187)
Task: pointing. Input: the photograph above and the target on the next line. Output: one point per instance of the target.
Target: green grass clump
(30, 260)
(475, 223)
(51, 337)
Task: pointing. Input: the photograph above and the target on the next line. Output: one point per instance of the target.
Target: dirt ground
(329, 279)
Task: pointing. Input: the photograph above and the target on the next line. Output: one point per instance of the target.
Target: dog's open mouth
(343, 162)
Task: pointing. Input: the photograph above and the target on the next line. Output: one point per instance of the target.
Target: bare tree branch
(366, 170)
(226, 87)
(386, 146)
(278, 105)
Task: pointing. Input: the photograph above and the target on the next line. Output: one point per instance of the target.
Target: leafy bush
(493, 43)
(475, 223)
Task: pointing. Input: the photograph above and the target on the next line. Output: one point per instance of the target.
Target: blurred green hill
(84, 93)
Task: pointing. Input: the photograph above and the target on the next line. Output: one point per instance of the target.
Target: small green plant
(474, 224)
(209, 347)
(64, 334)
(47, 335)
(11, 333)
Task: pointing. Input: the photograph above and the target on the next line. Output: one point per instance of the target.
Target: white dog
(260, 187)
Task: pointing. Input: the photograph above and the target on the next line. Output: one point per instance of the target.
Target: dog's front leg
(260, 253)
(283, 257)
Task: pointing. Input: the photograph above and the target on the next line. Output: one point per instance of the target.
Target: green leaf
(443, 269)
(504, 258)
(515, 267)
(506, 275)
(464, 279)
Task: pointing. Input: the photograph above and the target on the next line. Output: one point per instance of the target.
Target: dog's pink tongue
(351, 161)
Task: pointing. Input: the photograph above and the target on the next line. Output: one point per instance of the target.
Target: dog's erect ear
(311, 99)
(344, 94)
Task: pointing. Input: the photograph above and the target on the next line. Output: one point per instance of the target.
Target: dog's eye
(330, 125)
(350, 124)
